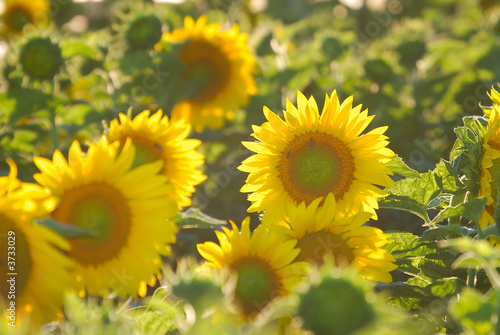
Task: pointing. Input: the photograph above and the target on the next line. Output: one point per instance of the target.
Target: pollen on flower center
(315, 164)
(23, 263)
(206, 63)
(256, 284)
(315, 246)
(101, 209)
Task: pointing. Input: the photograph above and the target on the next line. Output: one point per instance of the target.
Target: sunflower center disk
(256, 285)
(315, 246)
(208, 69)
(146, 151)
(102, 210)
(315, 164)
(19, 261)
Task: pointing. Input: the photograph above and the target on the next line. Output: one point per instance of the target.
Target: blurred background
(418, 65)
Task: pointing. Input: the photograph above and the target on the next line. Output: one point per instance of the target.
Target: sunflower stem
(471, 277)
(456, 200)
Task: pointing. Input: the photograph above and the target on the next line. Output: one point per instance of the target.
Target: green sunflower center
(315, 246)
(101, 209)
(146, 151)
(17, 18)
(206, 64)
(15, 259)
(314, 165)
(256, 285)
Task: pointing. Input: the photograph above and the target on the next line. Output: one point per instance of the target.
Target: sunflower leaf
(77, 49)
(412, 195)
(194, 218)
(470, 210)
(65, 230)
(398, 166)
(475, 311)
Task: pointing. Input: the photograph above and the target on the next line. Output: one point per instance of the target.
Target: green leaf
(446, 177)
(412, 195)
(19, 102)
(397, 166)
(403, 244)
(194, 218)
(475, 311)
(470, 210)
(445, 232)
(65, 230)
(71, 49)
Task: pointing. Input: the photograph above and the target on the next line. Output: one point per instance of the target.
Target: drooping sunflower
(262, 262)
(125, 210)
(490, 167)
(320, 235)
(309, 156)
(34, 273)
(157, 138)
(18, 13)
(226, 64)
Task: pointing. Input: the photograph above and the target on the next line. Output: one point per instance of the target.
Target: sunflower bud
(41, 59)
(144, 32)
(344, 307)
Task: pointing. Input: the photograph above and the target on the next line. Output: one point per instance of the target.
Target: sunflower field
(249, 167)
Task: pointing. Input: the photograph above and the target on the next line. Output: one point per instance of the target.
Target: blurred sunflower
(308, 156)
(157, 138)
(125, 210)
(490, 167)
(223, 61)
(319, 235)
(41, 271)
(18, 13)
(263, 263)
(495, 96)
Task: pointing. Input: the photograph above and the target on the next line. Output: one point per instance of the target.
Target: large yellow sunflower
(262, 262)
(320, 235)
(227, 64)
(34, 273)
(157, 138)
(309, 156)
(18, 13)
(125, 209)
(490, 167)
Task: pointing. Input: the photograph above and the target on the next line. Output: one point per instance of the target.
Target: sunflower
(18, 13)
(262, 262)
(124, 209)
(227, 64)
(34, 274)
(320, 235)
(490, 167)
(157, 138)
(495, 97)
(309, 156)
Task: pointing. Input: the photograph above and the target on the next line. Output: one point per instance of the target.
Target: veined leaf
(470, 210)
(397, 166)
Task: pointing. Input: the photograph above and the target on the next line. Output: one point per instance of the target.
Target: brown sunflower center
(102, 209)
(15, 259)
(315, 246)
(256, 285)
(314, 165)
(206, 63)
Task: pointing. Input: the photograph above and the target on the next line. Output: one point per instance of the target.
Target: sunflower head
(40, 275)
(18, 13)
(143, 32)
(347, 241)
(261, 263)
(490, 166)
(40, 58)
(308, 156)
(222, 62)
(125, 209)
(158, 138)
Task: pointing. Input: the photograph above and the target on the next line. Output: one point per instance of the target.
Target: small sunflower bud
(144, 32)
(41, 59)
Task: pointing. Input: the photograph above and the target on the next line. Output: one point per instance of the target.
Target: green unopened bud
(144, 32)
(41, 59)
(378, 70)
(333, 48)
(411, 52)
(344, 307)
